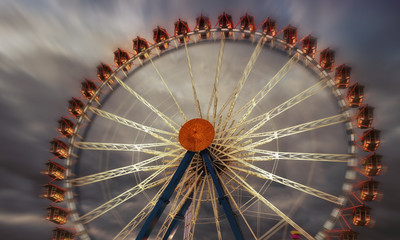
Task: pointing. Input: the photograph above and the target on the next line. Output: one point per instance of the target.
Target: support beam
(223, 200)
(165, 196)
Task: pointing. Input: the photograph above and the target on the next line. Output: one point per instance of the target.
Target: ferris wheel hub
(196, 134)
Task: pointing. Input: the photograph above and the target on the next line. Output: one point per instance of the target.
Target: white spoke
(165, 84)
(249, 67)
(214, 206)
(144, 185)
(196, 100)
(272, 135)
(122, 147)
(150, 130)
(249, 106)
(261, 173)
(138, 167)
(214, 96)
(196, 211)
(239, 180)
(166, 119)
(262, 119)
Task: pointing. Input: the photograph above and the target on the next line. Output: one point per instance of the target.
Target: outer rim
(307, 61)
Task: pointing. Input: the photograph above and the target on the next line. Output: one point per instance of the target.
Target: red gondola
(62, 234)
(294, 235)
(349, 235)
(225, 22)
(327, 59)
(365, 116)
(355, 95)
(290, 35)
(140, 45)
(159, 35)
(370, 140)
(269, 27)
(182, 28)
(247, 24)
(361, 215)
(203, 23)
(372, 165)
(59, 149)
(309, 46)
(76, 107)
(89, 89)
(54, 193)
(342, 76)
(120, 58)
(57, 215)
(104, 72)
(54, 170)
(66, 127)
(369, 190)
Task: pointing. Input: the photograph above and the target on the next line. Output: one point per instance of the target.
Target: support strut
(165, 196)
(222, 198)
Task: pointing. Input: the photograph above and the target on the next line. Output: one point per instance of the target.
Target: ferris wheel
(219, 132)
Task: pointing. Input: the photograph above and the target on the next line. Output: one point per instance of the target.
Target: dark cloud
(48, 47)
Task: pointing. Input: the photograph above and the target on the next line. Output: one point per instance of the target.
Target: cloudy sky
(48, 47)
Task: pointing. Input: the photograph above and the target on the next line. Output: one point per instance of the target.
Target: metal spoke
(166, 119)
(262, 119)
(122, 147)
(144, 185)
(165, 84)
(214, 207)
(150, 130)
(261, 173)
(249, 67)
(239, 180)
(196, 100)
(272, 135)
(196, 211)
(214, 95)
(249, 106)
(113, 173)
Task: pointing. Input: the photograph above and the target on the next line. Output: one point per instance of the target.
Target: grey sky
(48, 47)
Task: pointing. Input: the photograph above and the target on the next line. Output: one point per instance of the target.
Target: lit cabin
(57, 215)
(309, 46)
(295, 235)
(369, 190)
(159, 35)
(54, 193)
(370, 140)
(327, 59)
(349, 235)
(203, 23)
(76, 107)
(62, 234)
(66, 127)
(89, 89)
(355, 95)
(372, 165)
(225, 22)
(342, 76)
(140, 45)
(269, 27)
(247, 24)
(290, 35)
(361, 215)
(104, 72)
(182, 28)
(365, 116)
(54, 170)
(120, 58)
(59, 148)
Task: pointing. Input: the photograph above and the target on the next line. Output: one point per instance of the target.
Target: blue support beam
(223, 200)
(165, 196)
(180, 217)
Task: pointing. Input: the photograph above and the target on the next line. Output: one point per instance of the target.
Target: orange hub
(196, 134)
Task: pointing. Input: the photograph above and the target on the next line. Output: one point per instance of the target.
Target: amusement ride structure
(159, 146)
